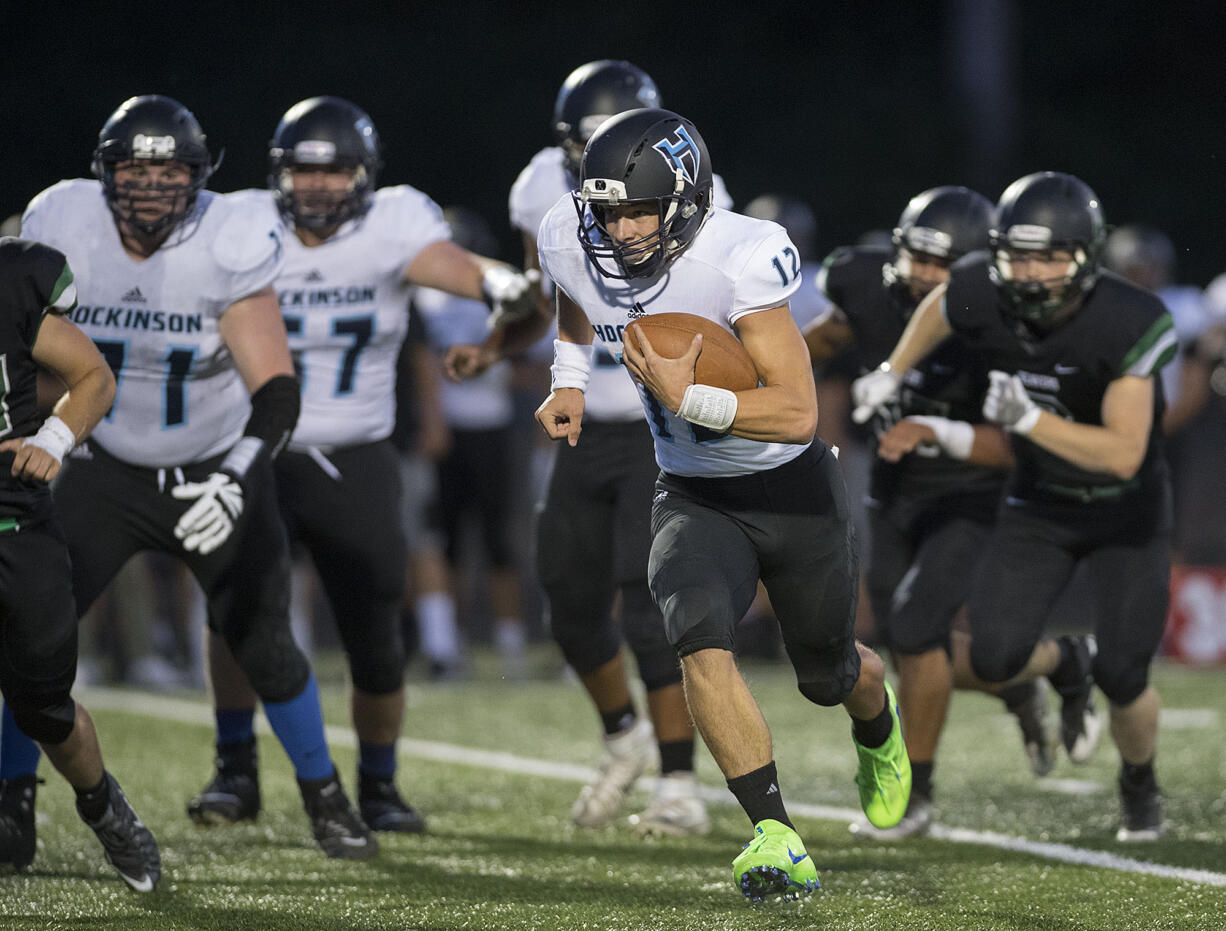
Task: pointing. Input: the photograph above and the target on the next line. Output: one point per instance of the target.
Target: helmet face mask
(937, 228)
(653, 159)
(591, 94)
(153, 161)
(1046, 245)
(323, 161)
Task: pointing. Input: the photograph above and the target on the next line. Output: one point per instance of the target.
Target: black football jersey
(950, 382)
(34, 280)
(1119, 330)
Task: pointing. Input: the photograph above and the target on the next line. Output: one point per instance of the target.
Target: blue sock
(299, 725)
(19, 755)
(377, 760)
(235, 725)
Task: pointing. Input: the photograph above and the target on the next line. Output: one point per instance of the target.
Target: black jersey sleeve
(1143, 339)
(34, 280)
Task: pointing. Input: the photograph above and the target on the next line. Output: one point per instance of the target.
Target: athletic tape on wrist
(1026, 422)
(707, 406)
(955, 437)
(572, 365)
(242, 456)
(55, 436)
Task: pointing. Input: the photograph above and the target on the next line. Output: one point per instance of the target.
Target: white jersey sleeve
(537, 189)
(410, 218)
(248, 246)
(769, 276)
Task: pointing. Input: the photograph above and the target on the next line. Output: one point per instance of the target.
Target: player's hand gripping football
(208, 523)
(666, 379)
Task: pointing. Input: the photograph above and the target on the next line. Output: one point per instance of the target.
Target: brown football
(723, 361)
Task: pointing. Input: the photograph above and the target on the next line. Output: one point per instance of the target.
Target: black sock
(1067, 676)
(617, 720)
(676, 756)
(875, 731)
(758, 792)
(92, 802)
(921, 779)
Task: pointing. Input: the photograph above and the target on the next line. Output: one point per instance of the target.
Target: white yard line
(194, 712)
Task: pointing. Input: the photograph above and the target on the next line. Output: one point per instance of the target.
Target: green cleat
(884, 775)
(774, 863)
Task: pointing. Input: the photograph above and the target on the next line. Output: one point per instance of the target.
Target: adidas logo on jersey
(636, 311)
(314, 275)
(134, 297)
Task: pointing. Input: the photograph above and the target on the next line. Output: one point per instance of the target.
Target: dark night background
(852, 107)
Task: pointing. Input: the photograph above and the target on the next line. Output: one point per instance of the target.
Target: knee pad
(581, 627)
(998, 661)
(274, 665)
(699, 618)
(1122, 679)
(644, 627)
(825, 677)
(376, 654)
(49, 721)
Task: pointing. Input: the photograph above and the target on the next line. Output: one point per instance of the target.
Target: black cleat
(336, 826)
(1141, 806)
(17, 836)
(1080, 724)
(1027, 702)
(384, 810)
(128, 844)
(233, 795)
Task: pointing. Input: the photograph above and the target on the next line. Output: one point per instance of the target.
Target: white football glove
(1008, 404)
(208, 523)
(511, 294)
(873, 391)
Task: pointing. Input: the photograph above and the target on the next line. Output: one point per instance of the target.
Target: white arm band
(955, 437)
(55, 436)
(572, 365)
(713, 408)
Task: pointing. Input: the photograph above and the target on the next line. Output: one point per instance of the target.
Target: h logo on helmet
(153, 146)
(681, 154)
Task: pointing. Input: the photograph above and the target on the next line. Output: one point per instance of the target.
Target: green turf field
(1012, 852)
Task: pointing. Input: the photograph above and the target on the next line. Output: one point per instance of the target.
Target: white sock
(440, 638)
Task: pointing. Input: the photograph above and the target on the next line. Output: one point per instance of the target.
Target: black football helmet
(643, 156)
(793, 215)
(1046, 212)
(156, 129)
(590, 95)
(943, 222)
(1142, 254)
(324, 132)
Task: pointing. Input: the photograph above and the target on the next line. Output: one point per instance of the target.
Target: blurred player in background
(38, 620)
(744, 491)
(351, 253)
(176, 291)
(1074, 353)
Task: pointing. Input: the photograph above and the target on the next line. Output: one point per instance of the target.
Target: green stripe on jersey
(63, 292)
(1153, 350)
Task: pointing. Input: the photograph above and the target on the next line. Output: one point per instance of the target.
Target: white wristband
(707, 406)
(572, 365)
(955, 437)
(55, 436)
(1026, 422)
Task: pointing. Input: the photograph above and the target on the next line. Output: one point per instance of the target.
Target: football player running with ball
(176, 290)
(1074, 352)
(745, 491)
(597, 508)
(352, 252)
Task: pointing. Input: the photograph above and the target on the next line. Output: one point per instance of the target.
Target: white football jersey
(346, 310)
(735, 266)
(611, 394)
(179, 399)
(481, 403)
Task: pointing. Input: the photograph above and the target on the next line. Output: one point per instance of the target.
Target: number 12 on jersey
(787, 264)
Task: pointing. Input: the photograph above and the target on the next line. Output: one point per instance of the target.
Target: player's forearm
(926, 330)
(88, 399)
(1096, 449)
(776, 414)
